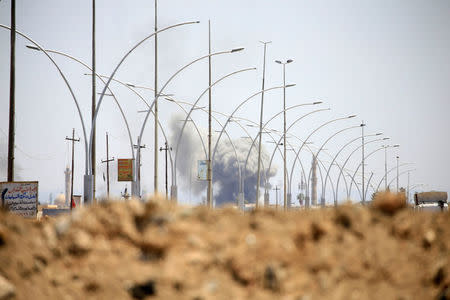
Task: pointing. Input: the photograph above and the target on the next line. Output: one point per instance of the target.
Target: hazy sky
(386, 61)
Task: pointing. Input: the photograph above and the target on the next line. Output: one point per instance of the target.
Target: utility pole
(258, 178)
(156, 101)
(167, 148)
(209, 172)
(139, 160)
(276, 189)
(93, 99)
(73, 153)
(12, 94)
(107, 166)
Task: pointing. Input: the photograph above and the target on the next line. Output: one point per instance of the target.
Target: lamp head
(317, 102)
(289, 61)
(386, 138)
(352, 116)
(237, 50)
(278, 62)
(130, 84)
(379, 133)
(396, 146)
(33, 47)
(290, 85)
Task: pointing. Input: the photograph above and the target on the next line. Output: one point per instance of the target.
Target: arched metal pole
(348, 158)
(235, 110)
(335, 157)
(264, 126)
(406, 171)
(287, 130)
(174, 188)
(357, 168)
(306, 140)
(322, 198)
(101, 79)
(68, 86)
(393, 168)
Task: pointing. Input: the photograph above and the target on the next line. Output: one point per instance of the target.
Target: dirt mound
(156, 250)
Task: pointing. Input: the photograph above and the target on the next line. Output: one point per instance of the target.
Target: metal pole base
(322, 201)
(134, 189)
(307, 204)
(88, 186)
(174, 193)
(241, 201)
(289, 203)
(266, 199)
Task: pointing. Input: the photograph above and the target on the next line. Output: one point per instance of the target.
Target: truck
(432, 200)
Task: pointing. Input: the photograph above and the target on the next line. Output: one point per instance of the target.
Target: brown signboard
(125, 169)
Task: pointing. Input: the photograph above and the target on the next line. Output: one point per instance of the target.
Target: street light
(284, 126)
(232, 118)
(389, 171)
(322, 198)
(385, 162)
(287, 130)
(174, 188)
(348, 158)
(307, 139)
(335, 157)
(88, 178)
(366, 157)
(258, 178)
(273, 117)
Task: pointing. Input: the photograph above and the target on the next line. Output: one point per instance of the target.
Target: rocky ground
(156, 250)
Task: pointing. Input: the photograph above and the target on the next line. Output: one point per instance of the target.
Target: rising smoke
(225, 168)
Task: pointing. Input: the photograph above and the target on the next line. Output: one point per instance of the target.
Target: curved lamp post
(174, 189)
(389, 171)
(88, 177)
(67, 84)
(335, 157)
(268, 121)
(322, 198)
(348, 158)
(306, 140)
(357, 168)
(286, 131)
(385, 163)
(284, 143)
(99, 77)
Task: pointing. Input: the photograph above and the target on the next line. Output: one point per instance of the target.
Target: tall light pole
(88, 177)
(93, 102)
(385, 163)
(12, 98)
(156, 101)
(397, 171)
(336, 156)
(362, 162)
(284, 131)
(258, 176)
(209, 170)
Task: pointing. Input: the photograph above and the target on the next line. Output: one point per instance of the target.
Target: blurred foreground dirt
(156, 250)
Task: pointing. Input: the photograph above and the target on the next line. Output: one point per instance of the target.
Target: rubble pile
(157, 250)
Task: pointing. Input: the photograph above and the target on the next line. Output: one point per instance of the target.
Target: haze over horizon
(387, 62)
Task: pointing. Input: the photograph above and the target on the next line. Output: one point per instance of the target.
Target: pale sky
(386, 61)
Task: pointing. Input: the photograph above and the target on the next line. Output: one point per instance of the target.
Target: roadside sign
(20, 197)
(202, 170)
(125, 169)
